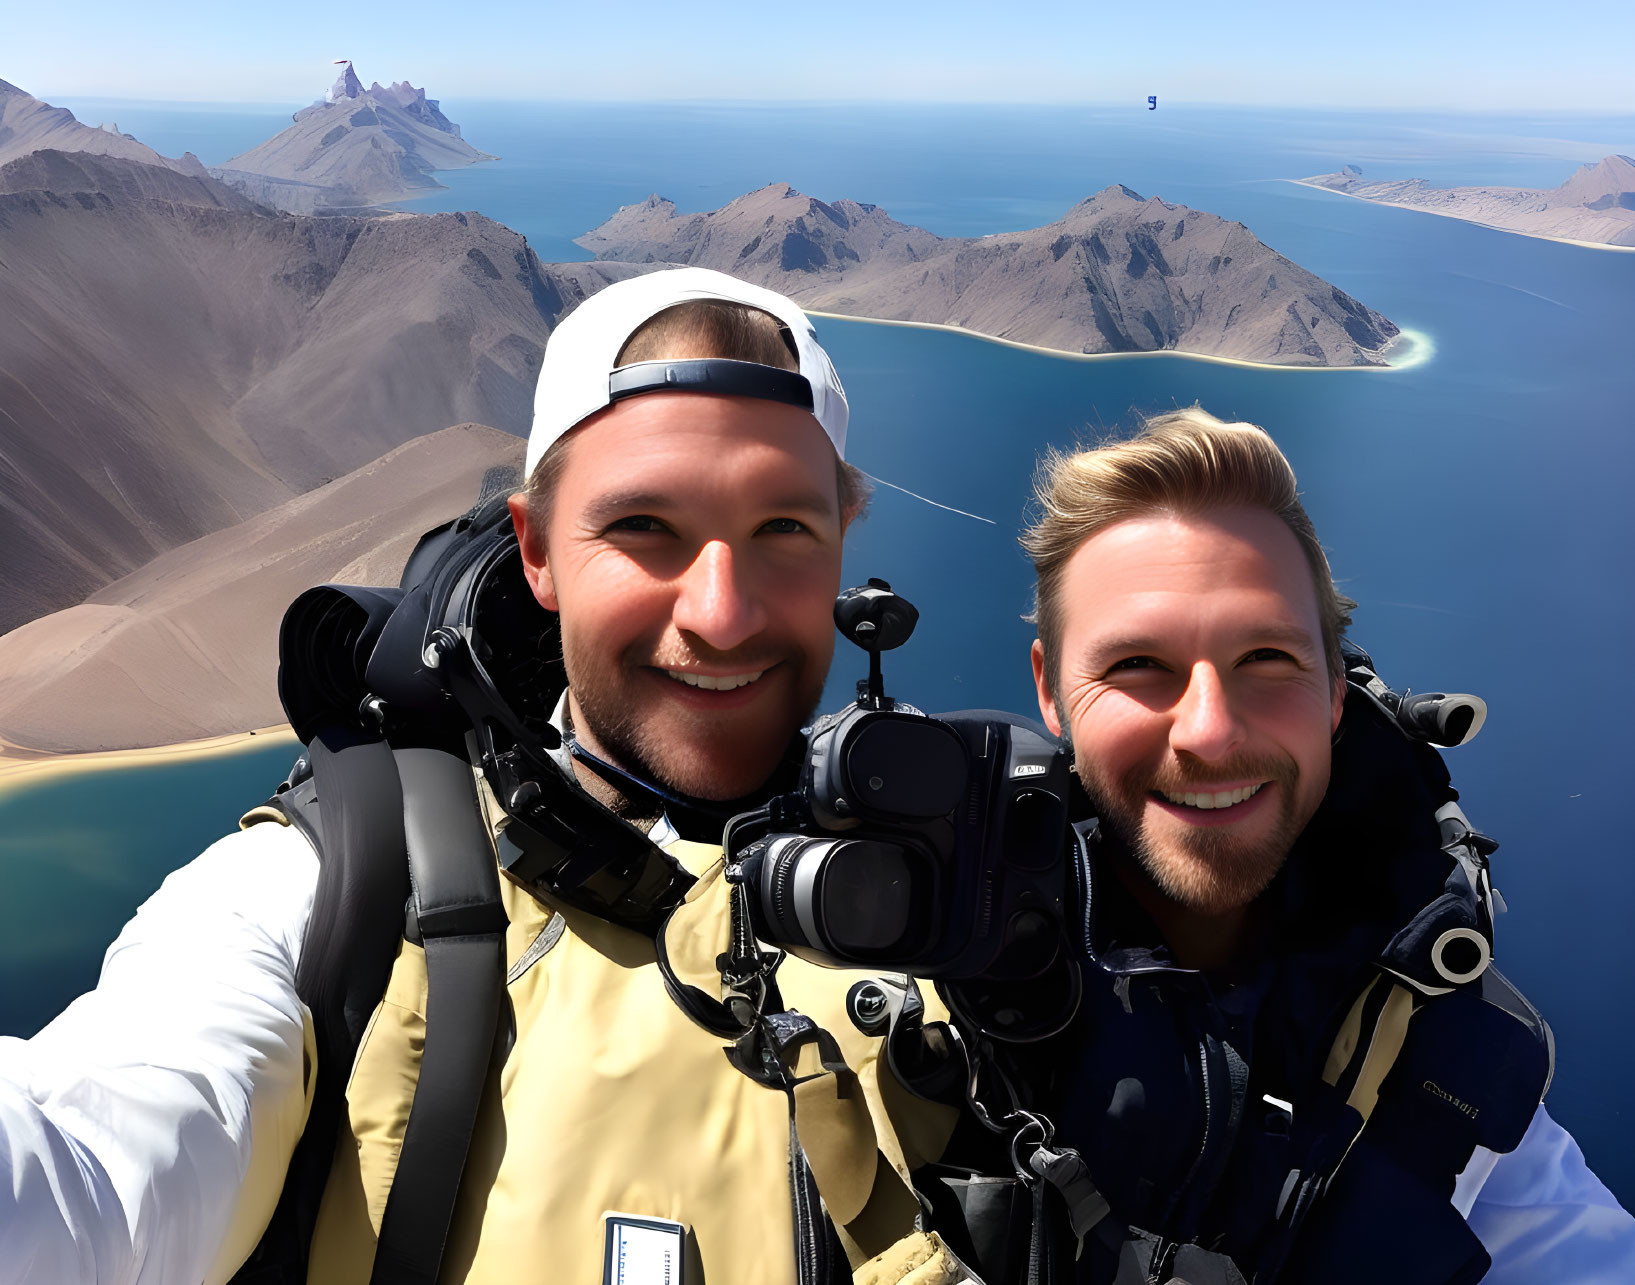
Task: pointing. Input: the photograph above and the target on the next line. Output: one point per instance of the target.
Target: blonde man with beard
(1270, 901)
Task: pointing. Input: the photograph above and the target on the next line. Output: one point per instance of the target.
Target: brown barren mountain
(1118, 273)
(27, 125)
(354, 148)
(173, 361)
(1596, 205)
(187, 646)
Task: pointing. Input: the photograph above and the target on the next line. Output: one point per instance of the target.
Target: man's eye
(637, 522)
(1269, 653)
(1133, 662)
(784, 526)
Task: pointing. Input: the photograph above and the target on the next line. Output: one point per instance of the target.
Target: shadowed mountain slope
(171, 365)
(187, 646)
(1118, 273)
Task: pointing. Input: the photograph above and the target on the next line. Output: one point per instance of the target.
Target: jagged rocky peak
(352, 149)
(348, 92)
(347, 84)
(401, 93)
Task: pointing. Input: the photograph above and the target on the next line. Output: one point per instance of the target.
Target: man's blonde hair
(1180, 462)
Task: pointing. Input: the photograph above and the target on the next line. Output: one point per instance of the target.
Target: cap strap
(711, 375)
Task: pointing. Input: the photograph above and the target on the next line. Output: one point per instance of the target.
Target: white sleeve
(145, 1132)
(1543, 1216)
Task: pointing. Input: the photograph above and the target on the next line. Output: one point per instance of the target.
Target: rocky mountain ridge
(1118, 273)
(27, 125)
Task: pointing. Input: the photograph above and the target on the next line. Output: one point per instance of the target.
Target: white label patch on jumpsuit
(643, 1251)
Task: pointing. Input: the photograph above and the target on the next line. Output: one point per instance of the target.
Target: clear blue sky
(1477, 54)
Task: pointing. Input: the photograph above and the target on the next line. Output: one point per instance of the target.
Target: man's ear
(531, 541)
(1338, 702)
(1041, 685)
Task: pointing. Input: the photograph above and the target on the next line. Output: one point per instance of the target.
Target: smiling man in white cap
(685, 504)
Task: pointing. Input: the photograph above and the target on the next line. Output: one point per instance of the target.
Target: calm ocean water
(1477, 506)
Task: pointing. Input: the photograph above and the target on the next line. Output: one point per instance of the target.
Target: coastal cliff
(1118, 273)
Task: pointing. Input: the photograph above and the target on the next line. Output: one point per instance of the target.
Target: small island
(1595, 207)
(353, 149)
(1119, 273)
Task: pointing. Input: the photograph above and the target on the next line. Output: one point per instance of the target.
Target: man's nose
(1205, 723)
(715, 602)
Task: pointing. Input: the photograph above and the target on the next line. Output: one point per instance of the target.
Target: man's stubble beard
(613, 724)
(1206, 868)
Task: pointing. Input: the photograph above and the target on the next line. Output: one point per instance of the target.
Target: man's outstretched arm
(145, 1132)
(1544, 1216)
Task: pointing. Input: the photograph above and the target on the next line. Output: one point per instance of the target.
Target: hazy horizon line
(1373, 109)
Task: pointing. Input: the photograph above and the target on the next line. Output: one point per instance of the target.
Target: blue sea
(1477, 505)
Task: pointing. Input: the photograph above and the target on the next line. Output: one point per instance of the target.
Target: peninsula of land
(354, 148)
(1118, 273)
(1595, 207)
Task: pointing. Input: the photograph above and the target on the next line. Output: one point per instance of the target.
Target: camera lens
(855, 899)
(865, 898)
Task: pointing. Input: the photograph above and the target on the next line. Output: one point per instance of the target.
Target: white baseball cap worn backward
(577, 377)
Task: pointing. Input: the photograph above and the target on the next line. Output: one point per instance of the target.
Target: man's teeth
(1223, 799)
(714, 682)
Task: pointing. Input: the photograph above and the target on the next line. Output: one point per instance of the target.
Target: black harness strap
(456, 901)
(346, 959)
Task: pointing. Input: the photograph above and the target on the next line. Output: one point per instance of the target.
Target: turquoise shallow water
(1475, 506)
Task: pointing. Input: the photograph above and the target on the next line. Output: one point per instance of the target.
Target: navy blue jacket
(1171, 1082)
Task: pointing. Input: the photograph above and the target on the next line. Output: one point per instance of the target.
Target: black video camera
(934, 846)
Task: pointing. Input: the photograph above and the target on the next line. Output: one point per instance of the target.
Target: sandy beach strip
(1475, 223)
(21, 766)
(1113, 356)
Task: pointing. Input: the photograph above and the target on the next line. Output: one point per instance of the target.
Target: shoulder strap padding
(351, 809)
(462, 924)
